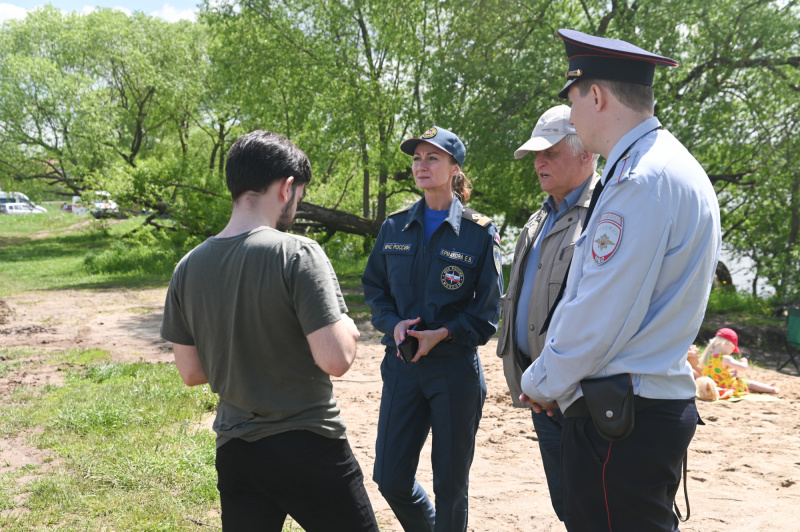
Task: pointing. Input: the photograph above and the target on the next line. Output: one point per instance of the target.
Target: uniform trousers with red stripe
(628, 485)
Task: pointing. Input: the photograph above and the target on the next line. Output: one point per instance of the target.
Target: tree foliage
(148, 109)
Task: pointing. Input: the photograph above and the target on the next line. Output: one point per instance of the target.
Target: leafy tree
(148, 109)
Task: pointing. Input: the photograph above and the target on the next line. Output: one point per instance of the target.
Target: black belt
(579, 408)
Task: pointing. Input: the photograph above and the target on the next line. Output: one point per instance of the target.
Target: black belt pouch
(610, 404)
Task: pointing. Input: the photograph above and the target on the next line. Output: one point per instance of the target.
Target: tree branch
(337, 220)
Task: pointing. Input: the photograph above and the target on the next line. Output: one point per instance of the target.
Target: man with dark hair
(258, 314)
(544, 249)
(633, 301)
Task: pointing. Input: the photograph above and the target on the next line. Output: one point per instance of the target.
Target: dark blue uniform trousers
(626, 485)
(441, 394)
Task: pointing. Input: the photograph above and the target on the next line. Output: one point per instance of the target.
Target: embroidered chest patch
(607, 237)
(397, 249)
(452, 277)
(457, 255)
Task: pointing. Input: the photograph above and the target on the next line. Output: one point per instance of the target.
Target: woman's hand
(427, 340)
(401, 330)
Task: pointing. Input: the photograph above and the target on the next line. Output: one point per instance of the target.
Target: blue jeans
(442, 394)
(548, 431)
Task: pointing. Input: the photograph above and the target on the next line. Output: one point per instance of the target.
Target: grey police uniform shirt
(554, 256)
(640, 277)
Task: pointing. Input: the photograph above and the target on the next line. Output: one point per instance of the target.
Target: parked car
(18, 203)
(20, 208)
(102, 206)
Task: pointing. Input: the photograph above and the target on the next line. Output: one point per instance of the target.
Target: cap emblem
(432, 132)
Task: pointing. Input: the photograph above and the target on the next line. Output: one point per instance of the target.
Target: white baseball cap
(551, 128)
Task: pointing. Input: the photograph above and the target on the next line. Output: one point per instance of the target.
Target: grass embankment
(122, 444)
(50, 252)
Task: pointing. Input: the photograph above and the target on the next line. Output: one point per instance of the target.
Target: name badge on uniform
(397, 249)
(607, 237)
(457, 256)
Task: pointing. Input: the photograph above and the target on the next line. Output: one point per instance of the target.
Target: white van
(18, 203)
(102, 206)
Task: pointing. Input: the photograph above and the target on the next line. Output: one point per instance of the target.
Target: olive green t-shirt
(247, 303)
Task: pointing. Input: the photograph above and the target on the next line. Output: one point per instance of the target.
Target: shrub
(726, 300)
(146, 251)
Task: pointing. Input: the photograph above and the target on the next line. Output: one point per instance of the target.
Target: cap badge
(577, 73)
(432, 132)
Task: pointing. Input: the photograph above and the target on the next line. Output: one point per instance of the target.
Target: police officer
(436, 266)
(634, 299)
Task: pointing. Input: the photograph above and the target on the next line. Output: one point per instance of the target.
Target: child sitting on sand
(718, 364)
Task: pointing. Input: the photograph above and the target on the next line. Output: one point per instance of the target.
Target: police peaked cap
(612, 59)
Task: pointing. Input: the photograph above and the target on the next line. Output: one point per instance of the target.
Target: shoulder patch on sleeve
(476, 217)
(607, 237)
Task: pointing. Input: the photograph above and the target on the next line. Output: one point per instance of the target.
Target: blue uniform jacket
(454, 281)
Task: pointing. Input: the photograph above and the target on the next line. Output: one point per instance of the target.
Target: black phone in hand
(408, 347)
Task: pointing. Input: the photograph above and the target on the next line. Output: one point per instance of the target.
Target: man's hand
(538, 407)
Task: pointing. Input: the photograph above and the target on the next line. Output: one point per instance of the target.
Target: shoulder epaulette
(404, 209)
(476, 217)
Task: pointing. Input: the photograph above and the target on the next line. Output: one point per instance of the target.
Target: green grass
(26, 225)
(41, 252)
(128, 451)
(125, 447)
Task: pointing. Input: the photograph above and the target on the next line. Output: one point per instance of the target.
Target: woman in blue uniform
(436, 264)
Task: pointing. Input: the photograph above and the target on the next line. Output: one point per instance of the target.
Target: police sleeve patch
(607, 237)
(497, 262)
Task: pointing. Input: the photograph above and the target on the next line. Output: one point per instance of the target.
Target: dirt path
(744, 470)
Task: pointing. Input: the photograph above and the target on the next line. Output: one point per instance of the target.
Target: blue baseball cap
(442, 139)
(612, 59)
